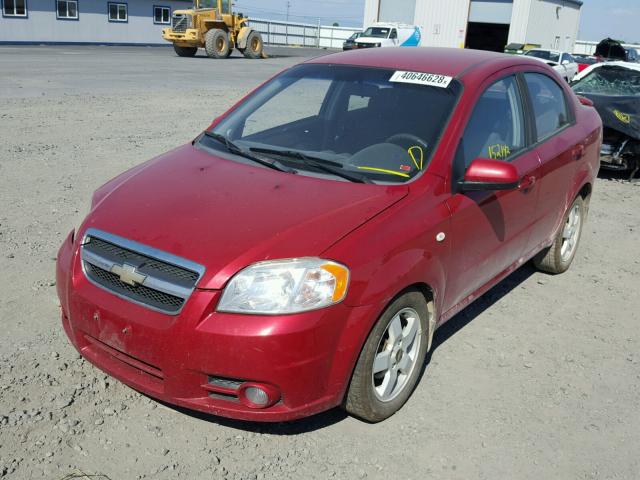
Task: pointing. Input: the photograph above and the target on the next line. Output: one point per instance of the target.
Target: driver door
(490, 229)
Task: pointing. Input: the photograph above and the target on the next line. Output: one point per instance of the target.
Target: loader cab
(223, 6)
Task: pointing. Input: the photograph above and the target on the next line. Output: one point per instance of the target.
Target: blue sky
(600, 18)
(610, 18)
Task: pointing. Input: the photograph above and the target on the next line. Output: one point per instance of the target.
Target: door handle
(527, 182)
(578, 152)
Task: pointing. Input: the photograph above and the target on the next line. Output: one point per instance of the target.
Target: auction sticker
(419, 78)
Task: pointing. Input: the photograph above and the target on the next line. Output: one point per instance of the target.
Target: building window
(161, 15)
(14, 8)
(67, 9)
(118, 12)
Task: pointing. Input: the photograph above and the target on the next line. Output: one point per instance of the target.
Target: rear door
(491, 229)
(558, 146)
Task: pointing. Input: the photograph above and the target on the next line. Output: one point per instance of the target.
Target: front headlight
(285, 286)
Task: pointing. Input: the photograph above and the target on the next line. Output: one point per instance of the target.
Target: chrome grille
(180, 23)
(136, 272)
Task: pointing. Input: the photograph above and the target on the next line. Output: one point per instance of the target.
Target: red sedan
(301, 252)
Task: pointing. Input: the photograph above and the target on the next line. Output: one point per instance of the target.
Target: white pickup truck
(390, 35)
(561, 62)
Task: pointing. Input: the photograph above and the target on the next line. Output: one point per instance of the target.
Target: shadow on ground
(325, 419)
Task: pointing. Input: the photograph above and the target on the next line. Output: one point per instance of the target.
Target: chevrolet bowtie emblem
(128, 274)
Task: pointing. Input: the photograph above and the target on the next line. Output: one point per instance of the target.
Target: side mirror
(485, 174)
(566, 62)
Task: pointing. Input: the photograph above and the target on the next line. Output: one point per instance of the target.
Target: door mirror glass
(485, 174)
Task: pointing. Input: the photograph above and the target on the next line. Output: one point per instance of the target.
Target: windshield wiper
(314, 162)
(236, 150)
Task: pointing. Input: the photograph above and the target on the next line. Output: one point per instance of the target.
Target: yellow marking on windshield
(384, 170)
(419, 164)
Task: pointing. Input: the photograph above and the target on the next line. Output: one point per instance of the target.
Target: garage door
(491, 11)
(401, 11)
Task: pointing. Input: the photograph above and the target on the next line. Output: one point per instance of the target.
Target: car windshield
(610, 80)
(545, 55)
(354, 36)
(377, 32)
(354, 120)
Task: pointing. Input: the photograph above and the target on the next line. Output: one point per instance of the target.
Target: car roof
(452, 62)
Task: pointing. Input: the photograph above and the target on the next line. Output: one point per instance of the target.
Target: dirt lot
(538, 379)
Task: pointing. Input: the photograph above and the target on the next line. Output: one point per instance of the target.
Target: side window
(549, 104)
(14, 8)
(301, 100)
(565, 58)
(393, 34)
(496, 129)
(66, 9)
(161, 15)
(226, 6)
(118, 12)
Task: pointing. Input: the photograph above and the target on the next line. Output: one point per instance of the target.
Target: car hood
(226, 215)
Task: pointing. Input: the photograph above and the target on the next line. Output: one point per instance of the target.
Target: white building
(484, 24)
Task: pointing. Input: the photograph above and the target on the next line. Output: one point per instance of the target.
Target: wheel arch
(344, 375)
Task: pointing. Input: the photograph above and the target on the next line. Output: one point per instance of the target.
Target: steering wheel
(407, 140)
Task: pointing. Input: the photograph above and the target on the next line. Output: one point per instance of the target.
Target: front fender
(398, 248)
(242, 37)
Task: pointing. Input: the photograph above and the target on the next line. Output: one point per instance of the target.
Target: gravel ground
(540, 378)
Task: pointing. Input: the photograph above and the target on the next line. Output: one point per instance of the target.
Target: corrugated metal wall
(549, 19)
(370, 12)
(444, 23)
(519, 19)
(92, 26)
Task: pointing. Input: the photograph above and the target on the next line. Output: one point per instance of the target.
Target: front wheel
(254, 45)
(558, 257)
(185, 51)
(390, 363)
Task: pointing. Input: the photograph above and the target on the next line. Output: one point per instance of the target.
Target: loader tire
(185, 51)
(216, 43)
(254, 45)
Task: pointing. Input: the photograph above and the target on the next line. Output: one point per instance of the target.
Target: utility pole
(286, 27)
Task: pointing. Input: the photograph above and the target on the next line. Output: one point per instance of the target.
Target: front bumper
(307, 357)
(190, 37)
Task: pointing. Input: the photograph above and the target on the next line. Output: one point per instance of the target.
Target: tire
(557, 258)
(367, 396)
(185, 51)
(216, 43)
(254, 45)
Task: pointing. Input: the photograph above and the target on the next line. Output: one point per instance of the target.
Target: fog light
(257, 395)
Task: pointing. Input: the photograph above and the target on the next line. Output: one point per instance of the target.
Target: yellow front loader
(211, 24)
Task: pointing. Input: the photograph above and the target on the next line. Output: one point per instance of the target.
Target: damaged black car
(614, 89)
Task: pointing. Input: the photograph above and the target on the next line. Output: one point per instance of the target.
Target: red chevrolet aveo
(301, 252)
